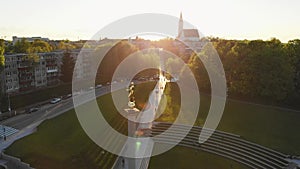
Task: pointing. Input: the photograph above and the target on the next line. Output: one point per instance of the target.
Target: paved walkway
(7, 131)
(145, 118)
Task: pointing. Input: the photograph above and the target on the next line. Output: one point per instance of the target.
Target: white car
(98, 86)
(55, 100)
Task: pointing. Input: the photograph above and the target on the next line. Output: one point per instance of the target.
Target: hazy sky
(71, 19)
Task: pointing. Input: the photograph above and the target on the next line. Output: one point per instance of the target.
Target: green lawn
(61, 142)
(187, 158)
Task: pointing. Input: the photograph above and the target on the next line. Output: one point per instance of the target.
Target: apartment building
(24, 72)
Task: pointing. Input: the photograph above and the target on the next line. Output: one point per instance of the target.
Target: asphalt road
(46, 111)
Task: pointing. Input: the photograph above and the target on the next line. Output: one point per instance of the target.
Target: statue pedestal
(132, 116)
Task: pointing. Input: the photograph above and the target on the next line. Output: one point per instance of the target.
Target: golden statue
(131, 102)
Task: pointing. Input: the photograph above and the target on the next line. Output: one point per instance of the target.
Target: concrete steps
(221, 143)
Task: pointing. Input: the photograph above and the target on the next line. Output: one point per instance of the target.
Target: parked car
(55, 100)
(31, 110)
(98, 86)
(76, 93)
(66, 96)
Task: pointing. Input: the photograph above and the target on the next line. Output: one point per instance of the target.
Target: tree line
(257, 70)
(261, 71)
(37, 46)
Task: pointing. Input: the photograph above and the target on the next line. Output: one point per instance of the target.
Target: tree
(39, 46)
(2, 59)
(21, 46)
(65, 45)
(2, 64)
(67, 67)
(256, 69)
(292, 48)
(112, 59)
(261, 70)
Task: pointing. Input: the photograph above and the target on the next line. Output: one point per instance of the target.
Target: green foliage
(2, 58)
(39, 46)
(112, 59)
(21, 46)
(2, 64)
(34, 58)
(67, 67)
(256, 69)
(174, 65)
(293, 53)
(264, 72)
(65, 45)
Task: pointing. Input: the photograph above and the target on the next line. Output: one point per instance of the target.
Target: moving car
(98, 86)
(55, 100)
(31, 110)
(66, 96)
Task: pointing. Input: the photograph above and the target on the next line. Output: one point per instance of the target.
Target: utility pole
(9, 108)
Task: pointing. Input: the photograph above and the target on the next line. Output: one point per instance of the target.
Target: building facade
(25, 72)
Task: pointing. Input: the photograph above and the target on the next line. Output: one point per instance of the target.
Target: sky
(74, 20)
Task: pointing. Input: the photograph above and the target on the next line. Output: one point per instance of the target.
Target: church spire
(180, 25)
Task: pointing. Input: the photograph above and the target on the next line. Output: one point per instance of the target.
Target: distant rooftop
(190, 33)
(29, 39)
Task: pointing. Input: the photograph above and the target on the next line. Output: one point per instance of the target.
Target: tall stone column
(132, 115)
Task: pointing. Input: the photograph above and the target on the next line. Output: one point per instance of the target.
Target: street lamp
(9, 108)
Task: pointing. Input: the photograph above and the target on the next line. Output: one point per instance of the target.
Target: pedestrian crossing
(7, 131)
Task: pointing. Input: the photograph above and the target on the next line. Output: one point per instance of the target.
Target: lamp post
(9, 108)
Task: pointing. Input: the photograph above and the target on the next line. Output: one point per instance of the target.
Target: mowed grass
(188, 158)
(59, 143)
